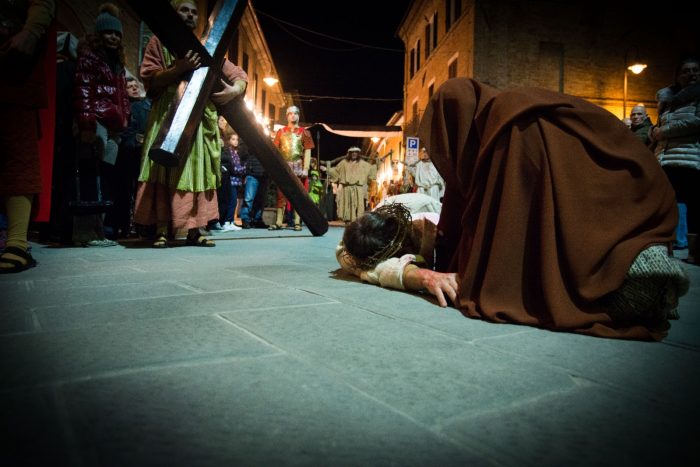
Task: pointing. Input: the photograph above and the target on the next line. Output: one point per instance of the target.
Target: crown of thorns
(403, 217)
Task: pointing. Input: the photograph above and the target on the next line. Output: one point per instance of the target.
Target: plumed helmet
(293, 109)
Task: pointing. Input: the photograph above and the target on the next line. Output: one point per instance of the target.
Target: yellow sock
(19, 209)
(280, 216)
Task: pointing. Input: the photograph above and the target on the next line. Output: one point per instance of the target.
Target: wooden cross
(175, 138)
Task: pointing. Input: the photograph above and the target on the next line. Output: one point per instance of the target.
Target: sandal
(297, 228)
(199, 240)
(161, 242)
(17, 266)
(274, 227)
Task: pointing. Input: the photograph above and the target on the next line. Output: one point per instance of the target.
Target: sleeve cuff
(389, 273)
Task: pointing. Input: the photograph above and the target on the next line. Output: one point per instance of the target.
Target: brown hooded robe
(549, 200)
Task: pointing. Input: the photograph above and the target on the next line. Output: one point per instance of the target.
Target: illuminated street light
(636, 68)
(270, 80)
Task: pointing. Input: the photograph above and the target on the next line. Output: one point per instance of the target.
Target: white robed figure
(426, 177)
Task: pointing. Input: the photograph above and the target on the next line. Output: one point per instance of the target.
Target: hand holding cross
(186, 110)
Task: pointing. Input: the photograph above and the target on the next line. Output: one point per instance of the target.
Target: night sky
(310, 64)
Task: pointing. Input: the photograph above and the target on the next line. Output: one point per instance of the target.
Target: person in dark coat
(640, 124)
(232, 176)
(677, 144)
(126, 168)
(63, 177)
(255, 191)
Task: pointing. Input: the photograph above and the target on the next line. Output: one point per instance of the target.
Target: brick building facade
(576, 47)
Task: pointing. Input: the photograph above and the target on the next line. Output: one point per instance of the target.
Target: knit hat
(107, 19)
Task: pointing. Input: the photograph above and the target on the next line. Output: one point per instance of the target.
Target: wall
(79, 17)
(434, 68)
(577, 47)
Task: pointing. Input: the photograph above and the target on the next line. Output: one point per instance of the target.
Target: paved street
(256, 353)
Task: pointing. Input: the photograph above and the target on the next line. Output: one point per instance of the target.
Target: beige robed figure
(353, 175)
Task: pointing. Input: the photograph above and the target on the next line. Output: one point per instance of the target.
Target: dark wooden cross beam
(173, 142)
(185, 113)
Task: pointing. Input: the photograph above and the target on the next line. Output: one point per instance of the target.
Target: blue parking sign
(412, 143)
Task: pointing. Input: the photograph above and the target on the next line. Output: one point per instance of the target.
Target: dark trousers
(686, 183)
(122, 186)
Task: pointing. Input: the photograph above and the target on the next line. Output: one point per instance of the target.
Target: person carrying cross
(182, 197)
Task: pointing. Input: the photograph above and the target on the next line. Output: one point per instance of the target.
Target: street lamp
(636, 67)
(270, 80)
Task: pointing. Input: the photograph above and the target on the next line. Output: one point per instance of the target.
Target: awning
(362, 131)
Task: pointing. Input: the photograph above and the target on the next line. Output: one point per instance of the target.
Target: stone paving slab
(587, 425)
(299, 276)
(257, 353)
(413, 307)
(193, 304)
(33, 429)
(445, 377)
(58, 296)
(16, 320)
(648, 371)
(88, 352)
(241, 413)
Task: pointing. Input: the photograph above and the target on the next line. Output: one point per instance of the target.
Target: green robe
(201, 169)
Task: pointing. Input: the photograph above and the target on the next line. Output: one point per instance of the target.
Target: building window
(233, 48)
(414, 59)
(435, 27)
(415, 110)
(263, 101)
(431, 89)
(245, 62)
(271, 110)
(418, 55)
(431, 35)
(255, 89)
(427, 41)
(453, 10)
(452, 69)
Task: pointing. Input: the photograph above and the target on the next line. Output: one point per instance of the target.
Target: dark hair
(377, 235)
(686, 61)
(680, 65)
(96, 44)
(227, 133)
